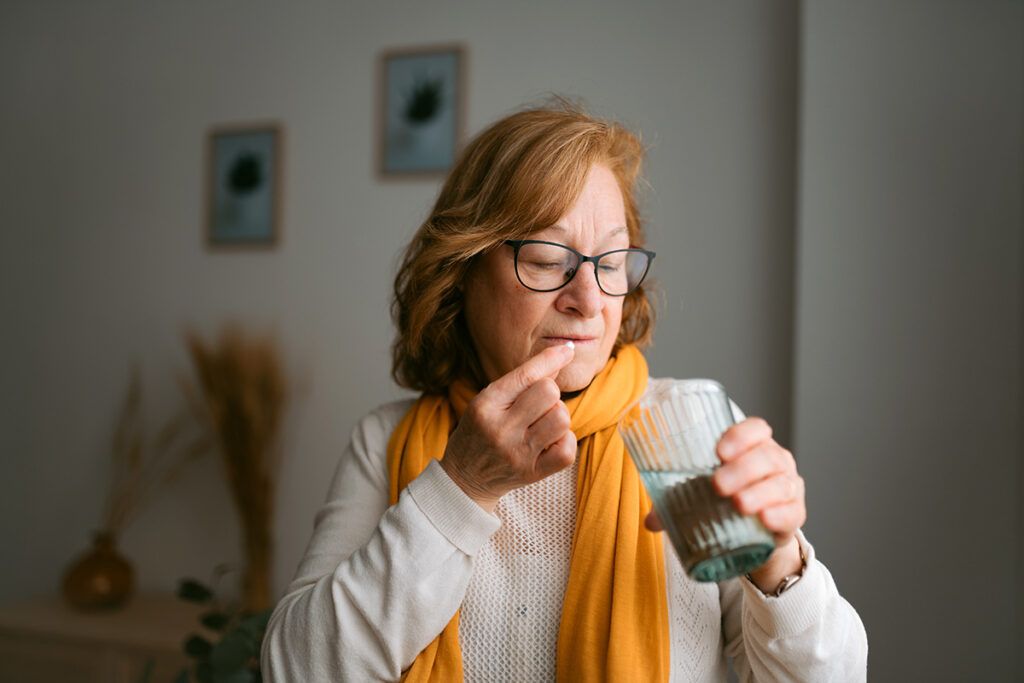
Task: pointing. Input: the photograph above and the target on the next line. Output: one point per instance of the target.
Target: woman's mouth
(574, 339)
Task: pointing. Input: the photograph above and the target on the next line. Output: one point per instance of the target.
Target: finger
(653, 521)
(777, 490)
(533, 403)
(549, 428)
(547, 363)
(761, 461)
(784, 519)
(741, 436)
(557, 456)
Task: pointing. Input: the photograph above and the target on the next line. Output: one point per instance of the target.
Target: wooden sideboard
(45, 641)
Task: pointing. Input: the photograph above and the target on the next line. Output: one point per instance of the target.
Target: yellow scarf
(614, 622)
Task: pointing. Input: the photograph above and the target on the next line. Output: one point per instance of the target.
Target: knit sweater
(377, 584)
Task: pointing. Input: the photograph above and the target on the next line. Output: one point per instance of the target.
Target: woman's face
(510, 323)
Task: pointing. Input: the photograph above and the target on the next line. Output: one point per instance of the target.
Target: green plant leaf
(258, 622)
(255, 626)
(232, 652)
(193, 591)
(215, 621)
(262, 618)
(198, 647)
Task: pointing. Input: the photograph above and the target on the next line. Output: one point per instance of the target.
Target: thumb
(547, 363)
(653, 522)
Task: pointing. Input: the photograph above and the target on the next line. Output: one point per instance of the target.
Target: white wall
(909, 338)
(102, 123)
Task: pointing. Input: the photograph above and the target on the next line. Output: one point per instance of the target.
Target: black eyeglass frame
(580, 260)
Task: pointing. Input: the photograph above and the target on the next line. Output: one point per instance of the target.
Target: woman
(492, 528)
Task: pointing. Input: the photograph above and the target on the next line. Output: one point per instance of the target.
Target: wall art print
(421, 110)
(243, 186)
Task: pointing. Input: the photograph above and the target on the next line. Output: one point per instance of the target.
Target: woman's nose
(582, 294)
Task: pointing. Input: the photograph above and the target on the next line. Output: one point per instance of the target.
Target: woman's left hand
(761, 478)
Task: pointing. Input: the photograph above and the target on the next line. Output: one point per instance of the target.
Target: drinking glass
(671, 434)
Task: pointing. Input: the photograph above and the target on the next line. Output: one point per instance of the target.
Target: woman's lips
(574, 340)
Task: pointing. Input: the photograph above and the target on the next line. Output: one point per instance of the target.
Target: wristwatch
(788, 581)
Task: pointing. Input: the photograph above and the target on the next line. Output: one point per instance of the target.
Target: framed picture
(421, 110)
(243, 185)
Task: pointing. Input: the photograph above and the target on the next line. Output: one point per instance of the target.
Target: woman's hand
(514, 432)
(761, 478)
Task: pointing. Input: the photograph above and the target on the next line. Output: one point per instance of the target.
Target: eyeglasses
(547, 266)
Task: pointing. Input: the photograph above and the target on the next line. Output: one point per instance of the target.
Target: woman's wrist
(482, 498)
(785, 560)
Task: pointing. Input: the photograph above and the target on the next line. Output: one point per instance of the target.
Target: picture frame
(421, 110)
(243, 185)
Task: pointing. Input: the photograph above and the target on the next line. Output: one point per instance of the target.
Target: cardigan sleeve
(376, 583)
(809, 633)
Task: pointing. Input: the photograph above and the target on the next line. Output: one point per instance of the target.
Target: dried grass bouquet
(239, 394)
(142, 466)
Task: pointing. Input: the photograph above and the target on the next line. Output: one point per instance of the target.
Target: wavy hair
(519, 176)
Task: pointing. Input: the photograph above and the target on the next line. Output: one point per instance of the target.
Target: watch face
(788, 582)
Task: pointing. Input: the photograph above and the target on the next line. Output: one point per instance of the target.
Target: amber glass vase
(100, 578)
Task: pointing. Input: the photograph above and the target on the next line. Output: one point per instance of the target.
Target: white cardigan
(378, 583)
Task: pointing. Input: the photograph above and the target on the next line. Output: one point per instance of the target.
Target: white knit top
(377, 584)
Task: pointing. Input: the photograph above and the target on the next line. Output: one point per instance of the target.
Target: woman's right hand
(514, 432)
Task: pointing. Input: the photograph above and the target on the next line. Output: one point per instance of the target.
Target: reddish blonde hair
(520, 175)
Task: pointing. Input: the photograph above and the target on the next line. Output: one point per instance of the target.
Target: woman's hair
(520, 175)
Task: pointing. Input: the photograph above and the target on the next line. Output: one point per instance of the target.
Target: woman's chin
(574, 378)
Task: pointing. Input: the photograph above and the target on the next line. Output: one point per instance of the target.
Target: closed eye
(545, 265)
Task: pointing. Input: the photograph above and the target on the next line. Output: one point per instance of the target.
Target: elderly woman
(493, 528)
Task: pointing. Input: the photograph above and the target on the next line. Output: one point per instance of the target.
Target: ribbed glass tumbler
(671, 434)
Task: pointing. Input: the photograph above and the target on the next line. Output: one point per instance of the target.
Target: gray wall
(909, 339)
(886, 330)
(102, 126)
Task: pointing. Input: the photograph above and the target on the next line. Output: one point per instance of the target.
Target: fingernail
(571, 344)
(726, 449)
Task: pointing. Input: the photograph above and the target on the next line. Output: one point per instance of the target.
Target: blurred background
(836, 196)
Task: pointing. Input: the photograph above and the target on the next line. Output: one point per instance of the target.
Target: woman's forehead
(601, 232)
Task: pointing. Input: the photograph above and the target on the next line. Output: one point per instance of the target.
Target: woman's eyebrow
(614, 232)
(618, 231)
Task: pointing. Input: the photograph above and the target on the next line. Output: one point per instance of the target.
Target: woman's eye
(545, 265)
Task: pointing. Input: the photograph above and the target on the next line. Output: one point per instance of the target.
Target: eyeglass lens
(549, 266)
